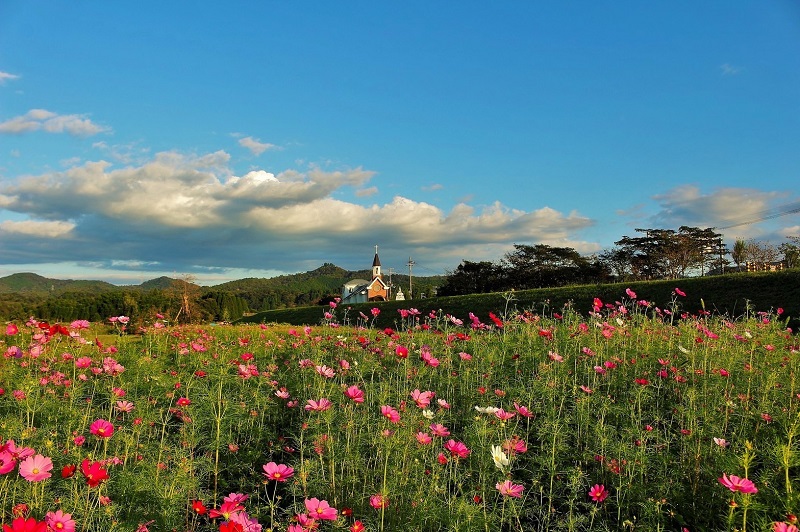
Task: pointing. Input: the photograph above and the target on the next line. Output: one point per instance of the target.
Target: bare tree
(760, 252)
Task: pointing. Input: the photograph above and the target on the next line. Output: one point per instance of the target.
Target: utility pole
(391, 271)
(410, 264)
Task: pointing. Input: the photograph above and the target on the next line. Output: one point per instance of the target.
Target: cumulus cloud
(6, 76)
(178, 210)
(50, 122)
(255, 146)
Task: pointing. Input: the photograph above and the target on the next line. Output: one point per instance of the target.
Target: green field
(632, 411)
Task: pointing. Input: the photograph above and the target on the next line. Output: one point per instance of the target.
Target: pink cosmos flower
(783, 527)
(509, 489)
(318, 406)
(355, 393)
(390, 413)
(59, 521)
(515, 445)
(439, 430)
(11, 329)
(631, 294)
(36, 468)
(102, 428)
(503, 415)
(124, 406)
(423, 438)
(598, 493)
(320, 509)
(422, 399)
(325, 371)
(278, 472)
(457, 448)
(19, 453)
(680, 292)
(735, 483)
(523, 410)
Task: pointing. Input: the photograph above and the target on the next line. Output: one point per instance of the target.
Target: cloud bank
(191, 213)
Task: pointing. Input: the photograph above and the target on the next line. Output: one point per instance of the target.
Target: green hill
(36, 284)
(732, 295)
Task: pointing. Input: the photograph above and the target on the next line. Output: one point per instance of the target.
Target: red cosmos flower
(199, 508)
(20, 524)
(94, 473)
(231, 526)
(68, 471)
(357, 526)
(401, 351)
(183, 401)
(498, 323)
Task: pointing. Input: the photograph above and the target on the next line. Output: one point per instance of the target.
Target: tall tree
(738, 253)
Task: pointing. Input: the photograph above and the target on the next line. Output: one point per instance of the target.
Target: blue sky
(258, 138)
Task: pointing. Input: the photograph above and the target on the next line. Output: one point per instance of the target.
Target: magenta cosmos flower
(598, 493)
(509, 489)
(102, 428)
(378, 501)
(321, 510)
(279, 472)
(355, 393)
(36, 468)
(457, 448)
(735, 483)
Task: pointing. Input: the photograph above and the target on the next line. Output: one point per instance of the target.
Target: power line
(789, 208)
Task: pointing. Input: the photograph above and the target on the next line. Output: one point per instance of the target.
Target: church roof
(376, 261)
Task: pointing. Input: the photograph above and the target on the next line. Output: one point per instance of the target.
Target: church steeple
(376, 265)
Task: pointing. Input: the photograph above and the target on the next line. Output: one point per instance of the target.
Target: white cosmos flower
(487, 409)
(499, 457)
(427, 414)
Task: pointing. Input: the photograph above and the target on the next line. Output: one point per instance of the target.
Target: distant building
(362, 291)
(400, 295)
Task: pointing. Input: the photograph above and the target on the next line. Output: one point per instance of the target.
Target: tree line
(650, 255)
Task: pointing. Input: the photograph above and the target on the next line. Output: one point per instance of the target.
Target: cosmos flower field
(640, 415)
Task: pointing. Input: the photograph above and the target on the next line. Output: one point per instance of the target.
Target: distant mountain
(162, 283)
(32, 283)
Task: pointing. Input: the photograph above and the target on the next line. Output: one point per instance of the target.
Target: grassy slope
(727, 294)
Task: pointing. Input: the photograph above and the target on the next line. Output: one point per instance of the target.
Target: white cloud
(41, 119)
(366, 192)
(178, 210)
(433, 187)
(5, 76)
(34, 228)
(255, 146)
(729, 70)
(735, 212)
